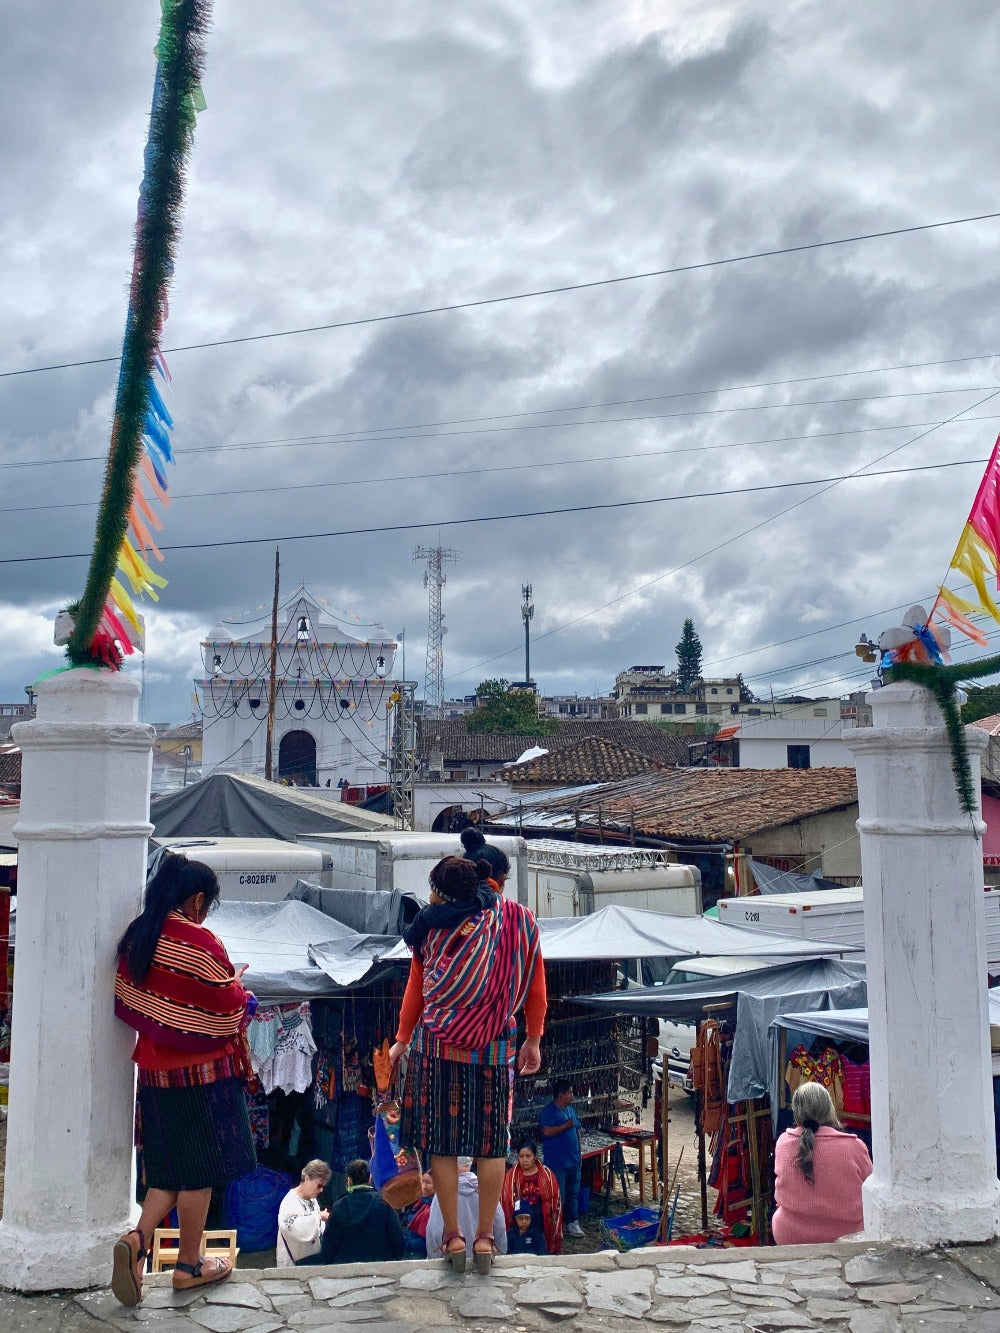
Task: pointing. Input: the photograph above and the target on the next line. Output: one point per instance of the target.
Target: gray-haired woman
(819, 1169)
(300, 1219)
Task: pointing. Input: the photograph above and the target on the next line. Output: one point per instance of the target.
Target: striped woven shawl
(477, 975)
(190, 999)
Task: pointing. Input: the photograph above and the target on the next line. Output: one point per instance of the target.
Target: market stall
(733, 1015)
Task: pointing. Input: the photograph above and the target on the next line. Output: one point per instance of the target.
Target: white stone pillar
(922, 865)
(81, 862)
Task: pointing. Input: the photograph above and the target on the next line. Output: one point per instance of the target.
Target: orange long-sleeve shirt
(535, 1002)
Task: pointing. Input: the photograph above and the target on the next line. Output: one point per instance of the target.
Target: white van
(255, 870)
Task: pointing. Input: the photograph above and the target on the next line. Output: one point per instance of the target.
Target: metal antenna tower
(434, 580)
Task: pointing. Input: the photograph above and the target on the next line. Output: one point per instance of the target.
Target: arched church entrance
(297, 759)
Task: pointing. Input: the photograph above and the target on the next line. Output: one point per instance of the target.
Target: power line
(729, 541)
(562, 289)
(827, 482)
(506, 467)
(314, 441)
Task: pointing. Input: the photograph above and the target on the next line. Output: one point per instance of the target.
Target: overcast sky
(359, 160)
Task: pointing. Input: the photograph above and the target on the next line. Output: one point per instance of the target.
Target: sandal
(484, 1258)
(126, 1270)
(196, 1274)
(456, 1258)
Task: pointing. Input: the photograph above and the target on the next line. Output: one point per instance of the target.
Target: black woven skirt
(192, 1138)
(452, 1109)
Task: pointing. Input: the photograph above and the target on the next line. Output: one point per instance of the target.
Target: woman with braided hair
(819, 1169)
(176, 986)
(475, 963)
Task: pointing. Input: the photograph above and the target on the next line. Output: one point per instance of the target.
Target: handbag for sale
(395, 1169)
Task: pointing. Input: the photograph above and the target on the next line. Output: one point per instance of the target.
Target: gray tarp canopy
(632, 932)
(373, 911)
(819, 983)
(237, 805)
(615, 933)
(295, 952)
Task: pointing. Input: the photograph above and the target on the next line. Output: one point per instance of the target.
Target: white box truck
(574, 879)
(404, 860)
(255, 870)
(835, 915)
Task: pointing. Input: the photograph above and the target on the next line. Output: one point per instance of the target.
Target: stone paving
(843, 1288)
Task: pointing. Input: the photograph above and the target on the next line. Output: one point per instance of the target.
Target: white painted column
(922, 864)
(81, 865)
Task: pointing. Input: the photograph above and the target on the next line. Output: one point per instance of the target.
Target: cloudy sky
(356, 161)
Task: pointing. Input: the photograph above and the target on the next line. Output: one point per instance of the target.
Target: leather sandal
(483, 1259)
(456, 1258)
(126, 1269)
(188, 1276)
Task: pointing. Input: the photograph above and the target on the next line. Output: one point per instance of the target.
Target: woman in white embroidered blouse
(300, 1218)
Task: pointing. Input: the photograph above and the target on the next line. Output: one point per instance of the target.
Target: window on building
(714, 690)
(819, 712)
(798, 756)
(246, 754)
(734, 709)
(701, 708)
(665, 708)
(680, 708)
(641, 710)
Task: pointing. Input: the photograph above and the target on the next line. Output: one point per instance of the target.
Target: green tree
(688, 656)
(983, 701)
(506, 712)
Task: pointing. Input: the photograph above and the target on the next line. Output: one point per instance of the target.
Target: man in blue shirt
(561, 1129)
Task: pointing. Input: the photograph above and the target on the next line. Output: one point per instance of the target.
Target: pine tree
(688, 657)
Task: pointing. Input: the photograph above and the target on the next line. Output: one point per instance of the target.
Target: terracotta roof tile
(10, 765)
(450, 735)
(589, 759)
(715, 804)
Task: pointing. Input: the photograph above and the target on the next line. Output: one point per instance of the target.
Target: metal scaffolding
(434, 580)
(403, 753)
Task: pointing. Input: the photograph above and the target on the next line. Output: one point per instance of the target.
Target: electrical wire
(827, 482)
(324, 441)
(505, 467)
(729, 541)
(561, 289)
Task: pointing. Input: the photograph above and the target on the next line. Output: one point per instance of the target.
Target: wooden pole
(272, 684)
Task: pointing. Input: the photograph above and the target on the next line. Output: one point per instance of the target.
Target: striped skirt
(452, 1108)
(189, 1135)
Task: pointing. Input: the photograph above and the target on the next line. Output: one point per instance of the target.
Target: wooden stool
(215, 1243)
(642, 1140)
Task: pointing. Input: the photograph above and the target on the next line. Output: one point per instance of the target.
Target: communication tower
(434, 580)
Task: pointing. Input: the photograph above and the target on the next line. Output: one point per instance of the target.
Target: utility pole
(272, 684)
(527, 611)
(434, 580)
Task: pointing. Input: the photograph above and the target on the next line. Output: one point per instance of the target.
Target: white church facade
(335, 694)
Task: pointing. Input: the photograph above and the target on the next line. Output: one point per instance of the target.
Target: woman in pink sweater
(818, 1173)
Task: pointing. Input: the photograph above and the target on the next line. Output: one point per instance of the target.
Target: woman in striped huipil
(475, 963)
(176, 986)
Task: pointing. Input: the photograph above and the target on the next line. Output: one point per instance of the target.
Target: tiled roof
(990, 724)
(450, 735)
(10, 765)
(589, 759)
(187, 731)
(713, 804)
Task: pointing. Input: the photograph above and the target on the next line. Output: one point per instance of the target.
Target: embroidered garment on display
(290, 1067)
(826, 1068)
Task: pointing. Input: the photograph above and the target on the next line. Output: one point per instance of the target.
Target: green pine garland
(942, 682)
(180, 53)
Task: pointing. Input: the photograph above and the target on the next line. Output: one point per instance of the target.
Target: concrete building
(333, 702)
(653, 692)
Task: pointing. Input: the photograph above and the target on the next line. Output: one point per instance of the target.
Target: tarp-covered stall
(237, 805)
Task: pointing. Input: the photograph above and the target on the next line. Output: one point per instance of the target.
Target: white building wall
(764, 743)
(828, 844)
(430, 798)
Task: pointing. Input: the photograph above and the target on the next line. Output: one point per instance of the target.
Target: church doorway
(297, 759)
